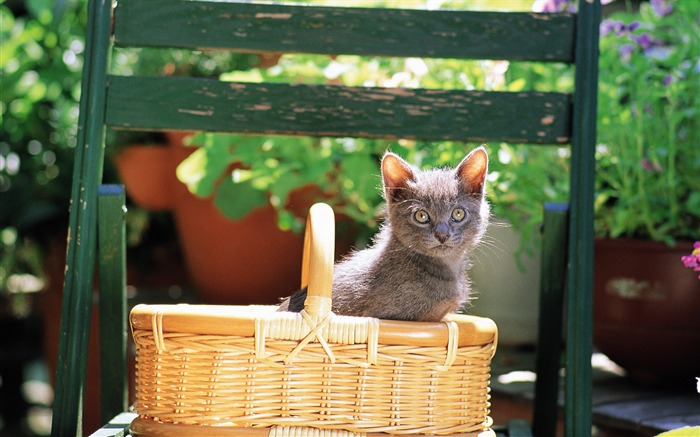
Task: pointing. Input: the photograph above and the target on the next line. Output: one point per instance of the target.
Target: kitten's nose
(442, 232)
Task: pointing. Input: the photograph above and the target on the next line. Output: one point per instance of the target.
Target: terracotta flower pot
(229, 261)
(246, 261)
(147, 172)
(646, 308)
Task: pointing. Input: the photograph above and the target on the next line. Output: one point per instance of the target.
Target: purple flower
(607, 26)
(625, 51)
(667, 80)
(689, 261)
(661, 8)
(633, 25)
(550, 5)
(645, 41)
(692, 261)
(620, 28)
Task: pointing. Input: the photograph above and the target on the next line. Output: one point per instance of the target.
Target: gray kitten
(416, 268)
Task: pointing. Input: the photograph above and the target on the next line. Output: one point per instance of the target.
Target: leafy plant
(649, 123)
(40, 55)
(40, 60)
(267, 170)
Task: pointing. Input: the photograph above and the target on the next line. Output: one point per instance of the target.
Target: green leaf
(203, 168)
(252, 75)
(236, 200)
(281, 188)
(287, 221)
(693, 203)
(41, 9)
(517, 84)
(193, 173)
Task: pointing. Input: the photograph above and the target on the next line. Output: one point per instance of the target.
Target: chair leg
(579, 306)
(111, 241)
(77, 297)
(549, 331)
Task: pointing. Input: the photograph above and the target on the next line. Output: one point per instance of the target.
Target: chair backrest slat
(332, 110)
(248, 27)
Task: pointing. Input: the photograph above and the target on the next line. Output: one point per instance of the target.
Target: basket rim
(240, 321)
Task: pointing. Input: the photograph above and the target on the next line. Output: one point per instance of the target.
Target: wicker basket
(249, 370)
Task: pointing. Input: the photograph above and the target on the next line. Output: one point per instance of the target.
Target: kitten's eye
(458, 214)
(421, 216)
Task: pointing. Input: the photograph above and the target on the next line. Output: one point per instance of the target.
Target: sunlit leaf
(237, 200)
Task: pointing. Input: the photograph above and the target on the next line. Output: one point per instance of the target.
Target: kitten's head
(438, 212)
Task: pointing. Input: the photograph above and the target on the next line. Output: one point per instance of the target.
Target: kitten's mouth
(442, 248)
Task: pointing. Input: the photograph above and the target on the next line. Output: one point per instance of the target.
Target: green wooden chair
(155, 103)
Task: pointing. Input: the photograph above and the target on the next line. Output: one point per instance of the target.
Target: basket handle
(317, 264)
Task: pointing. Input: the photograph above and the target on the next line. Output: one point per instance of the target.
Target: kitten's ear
(472, 171)
(396, 173)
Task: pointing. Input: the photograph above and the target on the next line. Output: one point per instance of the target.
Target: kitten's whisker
(491, 246)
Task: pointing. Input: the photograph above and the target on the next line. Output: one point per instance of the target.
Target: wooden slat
(337, 111)
(250, 27)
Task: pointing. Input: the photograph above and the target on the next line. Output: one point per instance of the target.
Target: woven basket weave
(249, 370)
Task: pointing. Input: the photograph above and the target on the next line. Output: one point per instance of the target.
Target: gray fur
(415, 271)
